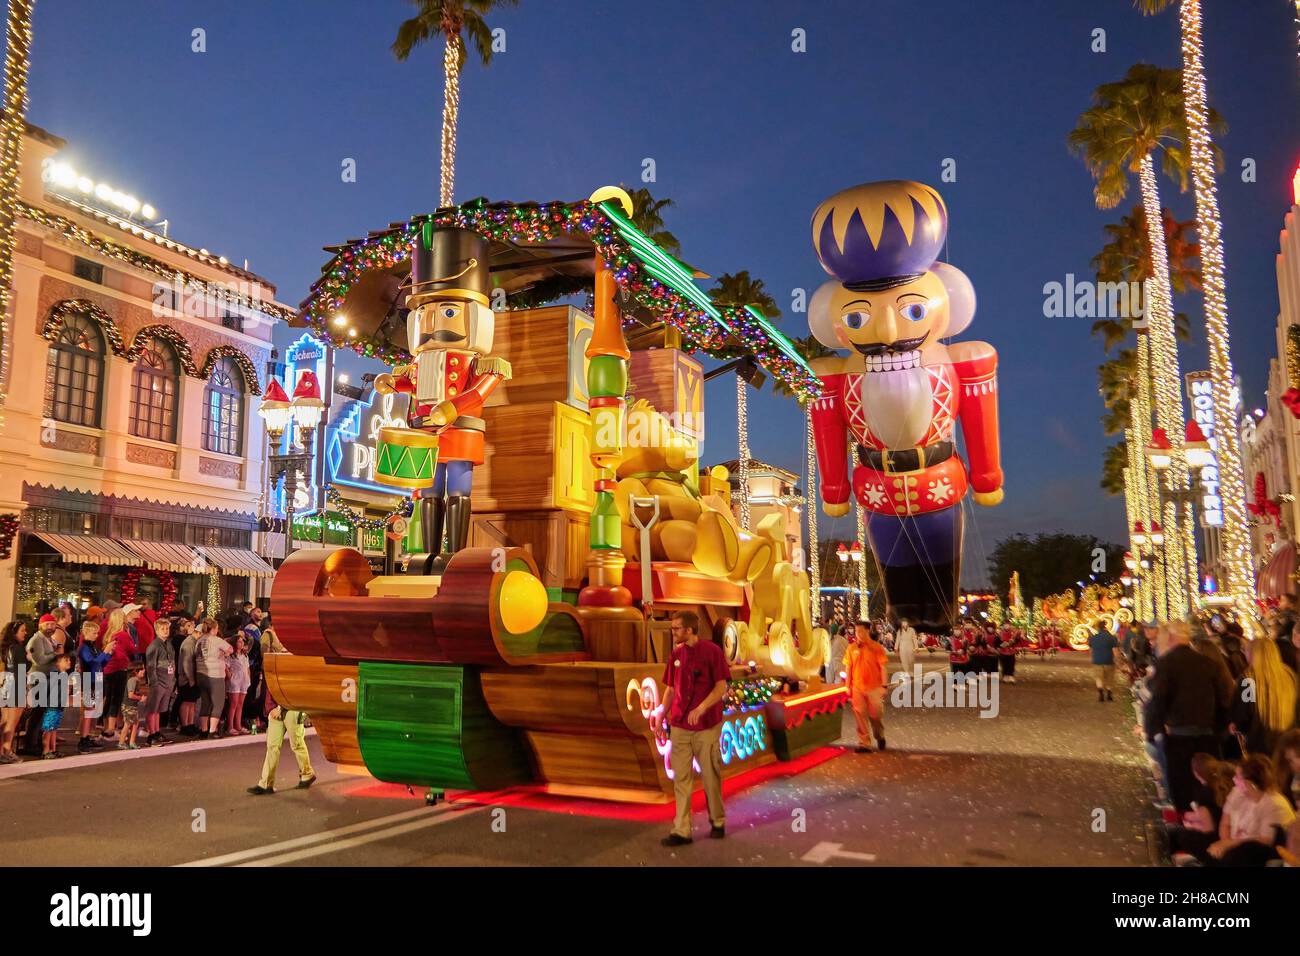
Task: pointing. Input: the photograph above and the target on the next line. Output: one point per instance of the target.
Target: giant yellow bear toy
(659, 461)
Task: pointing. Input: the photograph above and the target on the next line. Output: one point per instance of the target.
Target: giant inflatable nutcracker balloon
(891, 405)
(450, 329)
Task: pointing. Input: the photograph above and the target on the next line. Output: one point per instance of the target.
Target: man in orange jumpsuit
(866, 664)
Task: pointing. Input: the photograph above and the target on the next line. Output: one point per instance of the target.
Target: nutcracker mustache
(900, 345)
(442, 335)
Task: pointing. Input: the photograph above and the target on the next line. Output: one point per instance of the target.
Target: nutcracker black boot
(433, 513)
(458, 513)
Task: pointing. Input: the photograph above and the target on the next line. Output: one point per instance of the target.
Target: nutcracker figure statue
(450, 328)
(897, 396)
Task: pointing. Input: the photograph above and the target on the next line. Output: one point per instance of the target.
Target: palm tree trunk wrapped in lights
(810, 510)
(1232, 483)
(450, 117)
(742, 438)
(1155, 574)
(860, 515)
(1168, 394)
(18, 45)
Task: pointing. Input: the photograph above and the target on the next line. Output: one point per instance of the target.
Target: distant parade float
(526, 644)
(884, 423)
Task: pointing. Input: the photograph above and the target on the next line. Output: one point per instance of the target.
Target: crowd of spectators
(135, 677)
(1218, 717)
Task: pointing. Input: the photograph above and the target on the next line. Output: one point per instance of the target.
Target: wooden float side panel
(614, 762)
(321, 689)
(582, 699)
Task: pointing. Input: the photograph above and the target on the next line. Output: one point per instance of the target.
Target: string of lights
(1154, 572)
(1168, 392)
(1236, 552)
(450, 116)
(742, 436)
(810, 497)
(18, 45)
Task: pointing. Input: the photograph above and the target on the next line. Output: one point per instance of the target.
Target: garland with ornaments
(355, 519)
(166, 585)
(702, 325)
(8, 528)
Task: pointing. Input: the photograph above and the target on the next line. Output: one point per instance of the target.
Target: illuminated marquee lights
(1200, 391)
(60, 178)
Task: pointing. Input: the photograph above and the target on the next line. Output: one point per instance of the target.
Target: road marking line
(446, 816)
(320, 837)
(824, 852)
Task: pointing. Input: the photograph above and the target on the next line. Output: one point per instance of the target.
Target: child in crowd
(57, 698)
(137, 692)
(238, 679)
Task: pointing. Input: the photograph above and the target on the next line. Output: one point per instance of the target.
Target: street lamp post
(305, 411)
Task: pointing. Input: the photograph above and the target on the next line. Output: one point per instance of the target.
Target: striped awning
(239, 561)
(169, 557)
(88, 548)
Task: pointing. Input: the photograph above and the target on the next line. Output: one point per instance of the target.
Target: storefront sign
(306, 354)
(372, 539)
(351, 441)
(1200, 393)
(306, 528)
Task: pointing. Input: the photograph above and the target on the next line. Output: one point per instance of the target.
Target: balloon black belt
(898, 461)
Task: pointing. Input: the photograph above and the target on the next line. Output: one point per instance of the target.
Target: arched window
(74, 372)
(155, 381)
(223, 409)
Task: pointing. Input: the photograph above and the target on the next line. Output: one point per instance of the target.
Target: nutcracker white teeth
(901, 390)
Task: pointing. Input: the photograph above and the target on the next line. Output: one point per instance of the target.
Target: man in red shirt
(865, 664)
(695, 681)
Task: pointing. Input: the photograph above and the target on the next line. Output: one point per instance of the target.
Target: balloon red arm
(831, 435)
(977, 374)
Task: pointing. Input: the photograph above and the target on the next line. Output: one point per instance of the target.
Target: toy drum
(406, 458)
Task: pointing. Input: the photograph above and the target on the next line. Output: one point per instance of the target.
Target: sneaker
(50, 756)
(673, 839)
(83, 745)
(10, 758)
(717, 833)
(204, 735)
(259, 790)
(123, 745)
(189, 730)
(306, 782)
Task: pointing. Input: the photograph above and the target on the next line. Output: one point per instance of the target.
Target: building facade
(131, 455)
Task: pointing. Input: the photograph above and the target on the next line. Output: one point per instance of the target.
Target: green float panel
(428, 725)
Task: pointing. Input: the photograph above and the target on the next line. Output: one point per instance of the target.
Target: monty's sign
(351, 440)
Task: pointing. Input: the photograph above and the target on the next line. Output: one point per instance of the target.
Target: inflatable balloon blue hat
(880, 235)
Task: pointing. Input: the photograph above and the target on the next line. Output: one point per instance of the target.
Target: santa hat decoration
(307, 392)
(275, 396)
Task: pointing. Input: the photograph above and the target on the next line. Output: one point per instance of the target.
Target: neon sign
(1200, 392)
(350, 442)
(307, 354)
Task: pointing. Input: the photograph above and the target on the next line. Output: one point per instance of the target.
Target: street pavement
(1056, 778)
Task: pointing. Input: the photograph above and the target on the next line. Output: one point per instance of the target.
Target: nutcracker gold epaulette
(492, 365)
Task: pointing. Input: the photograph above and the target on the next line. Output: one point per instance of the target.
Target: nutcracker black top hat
(448, 263)
(880, 235)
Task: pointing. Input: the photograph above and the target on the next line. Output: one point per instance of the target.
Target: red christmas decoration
(1291, 399)
(8, 528)
(166, 583)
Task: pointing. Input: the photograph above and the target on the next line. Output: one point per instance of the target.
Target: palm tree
(447, 18)
(736, 291)
(1115, 383)
(648, 217)
(1118, 135)
(18, 44)
(1124, 258)
(1201, 123)
(1113, 464)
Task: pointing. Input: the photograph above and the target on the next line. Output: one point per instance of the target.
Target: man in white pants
(905, 644)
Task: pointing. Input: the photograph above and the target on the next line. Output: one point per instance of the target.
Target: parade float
(553, 456)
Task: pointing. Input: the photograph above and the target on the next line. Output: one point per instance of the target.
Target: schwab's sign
(350, 442)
